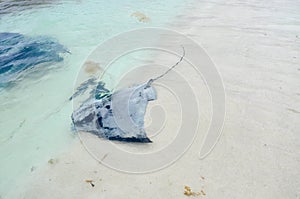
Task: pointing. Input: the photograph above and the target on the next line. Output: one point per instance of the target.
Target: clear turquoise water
(35, 114)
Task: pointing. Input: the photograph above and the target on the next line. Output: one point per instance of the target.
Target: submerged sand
(255, 46)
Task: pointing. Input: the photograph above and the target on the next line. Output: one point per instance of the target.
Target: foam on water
(35, 114)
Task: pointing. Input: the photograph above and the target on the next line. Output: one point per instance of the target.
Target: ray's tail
(167, 71)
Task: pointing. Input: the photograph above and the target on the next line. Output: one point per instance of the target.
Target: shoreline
(256, 156)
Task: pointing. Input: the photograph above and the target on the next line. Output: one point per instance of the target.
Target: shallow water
(35, 112)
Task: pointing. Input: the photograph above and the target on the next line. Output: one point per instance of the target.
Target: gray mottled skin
(116, 116)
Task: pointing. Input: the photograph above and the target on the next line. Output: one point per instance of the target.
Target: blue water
(35, 111)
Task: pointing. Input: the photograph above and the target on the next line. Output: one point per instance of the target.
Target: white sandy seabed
(255, 46)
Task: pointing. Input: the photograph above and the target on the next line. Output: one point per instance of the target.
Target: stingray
(116, 115)
(19, 54)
